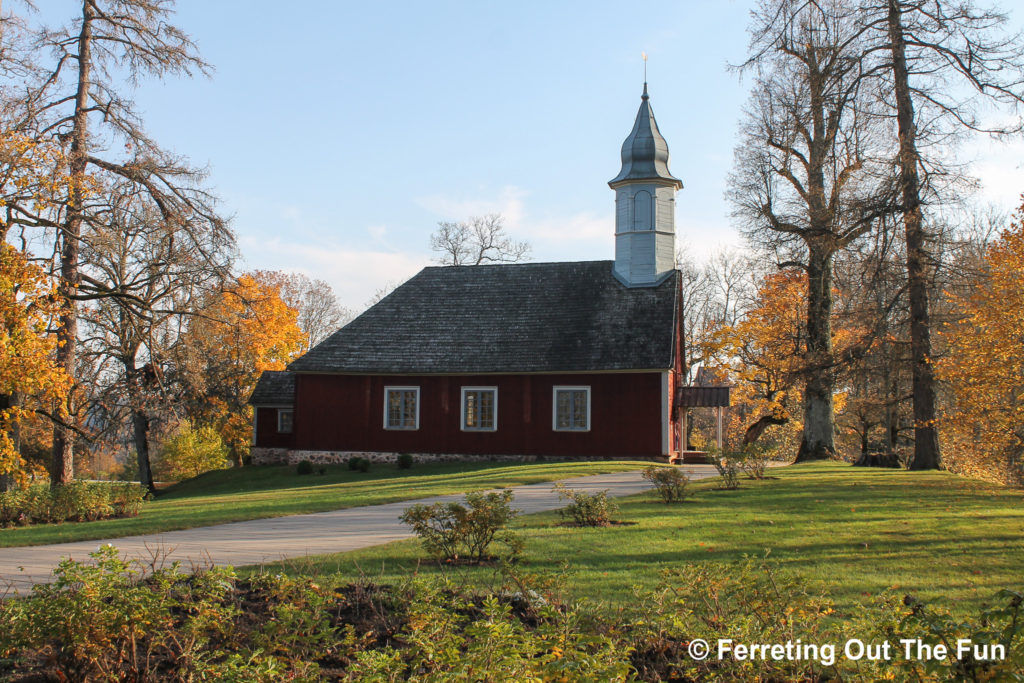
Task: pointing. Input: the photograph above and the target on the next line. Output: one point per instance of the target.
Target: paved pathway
(260, 541)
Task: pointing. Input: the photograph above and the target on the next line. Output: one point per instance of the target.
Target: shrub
(586, 509)
(728, 463)
(189, 452)
(358, 464)
(453, 531)
(746, 601)
(1000, 626)
(755, 459)
(304, 467)
(405, 461)
(77, 501)
(670, 482)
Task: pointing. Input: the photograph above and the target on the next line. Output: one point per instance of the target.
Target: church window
(284, 421)
(642, 211)
(571, 409)
(401, 407)
(479, 409)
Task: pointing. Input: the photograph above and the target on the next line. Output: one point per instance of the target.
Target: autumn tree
(319, 312)
(762, 354)
(28, 373)
(479, 240)
(810, 176)
(240, 331)
(71, 99)
(984, 425)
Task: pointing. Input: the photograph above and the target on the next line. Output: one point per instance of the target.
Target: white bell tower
(645, 205)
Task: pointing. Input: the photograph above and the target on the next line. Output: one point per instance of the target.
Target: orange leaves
(243, 330)
(763, 353)
(985, 367)
(27, 368)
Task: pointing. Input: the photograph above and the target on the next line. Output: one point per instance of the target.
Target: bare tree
(160, 272)
(481, 239)
(75, 103)
(810, 176)
(320, 313)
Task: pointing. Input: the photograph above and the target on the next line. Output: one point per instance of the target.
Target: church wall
(266, 429)
(345, 413)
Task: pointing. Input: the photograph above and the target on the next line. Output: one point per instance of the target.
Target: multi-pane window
(571, 410)
(479, 409)
(284, 421)
(401, 407)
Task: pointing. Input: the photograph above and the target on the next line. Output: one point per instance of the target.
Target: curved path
(259, 541)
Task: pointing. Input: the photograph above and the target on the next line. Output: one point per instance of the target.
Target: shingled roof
(536, 317)
(275, 387)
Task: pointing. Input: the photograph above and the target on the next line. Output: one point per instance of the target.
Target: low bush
(304, 467)
(453, 531)
(405, 461)
(729, 464)
(105, 621)
(358, 464)
(756, 457)
(670, 482)
(586, 509)
(77, 501)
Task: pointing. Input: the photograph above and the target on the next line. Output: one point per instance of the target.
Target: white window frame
(388, 390)
(554, 408)
(280, 412)
(462, 410)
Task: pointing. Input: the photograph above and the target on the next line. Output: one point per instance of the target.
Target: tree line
(124, 317)
(848, 187)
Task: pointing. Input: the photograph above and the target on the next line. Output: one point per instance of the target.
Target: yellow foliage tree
(27, 367)
(762, 356)
(243, 330)
(983, 427)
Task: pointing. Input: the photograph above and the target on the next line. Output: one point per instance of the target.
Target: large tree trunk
(926, 438)
(63, 464)
(818, 440)
(140, 425)
(136, 381)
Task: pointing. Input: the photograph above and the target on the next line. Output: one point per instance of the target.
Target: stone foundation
(284, 456)
(268, 456)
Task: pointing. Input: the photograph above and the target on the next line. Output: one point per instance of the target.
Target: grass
(257, 492)
(851, 531)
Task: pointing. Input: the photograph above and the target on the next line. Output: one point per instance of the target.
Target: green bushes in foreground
(77, 501)
(455, 532)
(104, 621)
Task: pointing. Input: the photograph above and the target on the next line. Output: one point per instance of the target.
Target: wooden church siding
(339, 413)
(267, 435)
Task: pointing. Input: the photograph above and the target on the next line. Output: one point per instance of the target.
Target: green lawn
(256, 492)
(851, 531)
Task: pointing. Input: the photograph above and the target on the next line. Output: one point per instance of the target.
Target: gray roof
(536, 317)
(275, 387)
(645, 152)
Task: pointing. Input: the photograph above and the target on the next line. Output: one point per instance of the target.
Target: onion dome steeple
(645, 152)
(645, 205)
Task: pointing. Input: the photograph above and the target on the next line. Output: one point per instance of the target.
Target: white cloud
(508, 202)
(1000, 168)
(355, 274)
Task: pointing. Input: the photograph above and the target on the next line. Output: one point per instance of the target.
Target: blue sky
(339, 133)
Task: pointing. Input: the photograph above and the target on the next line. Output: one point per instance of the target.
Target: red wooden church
(520, 360)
